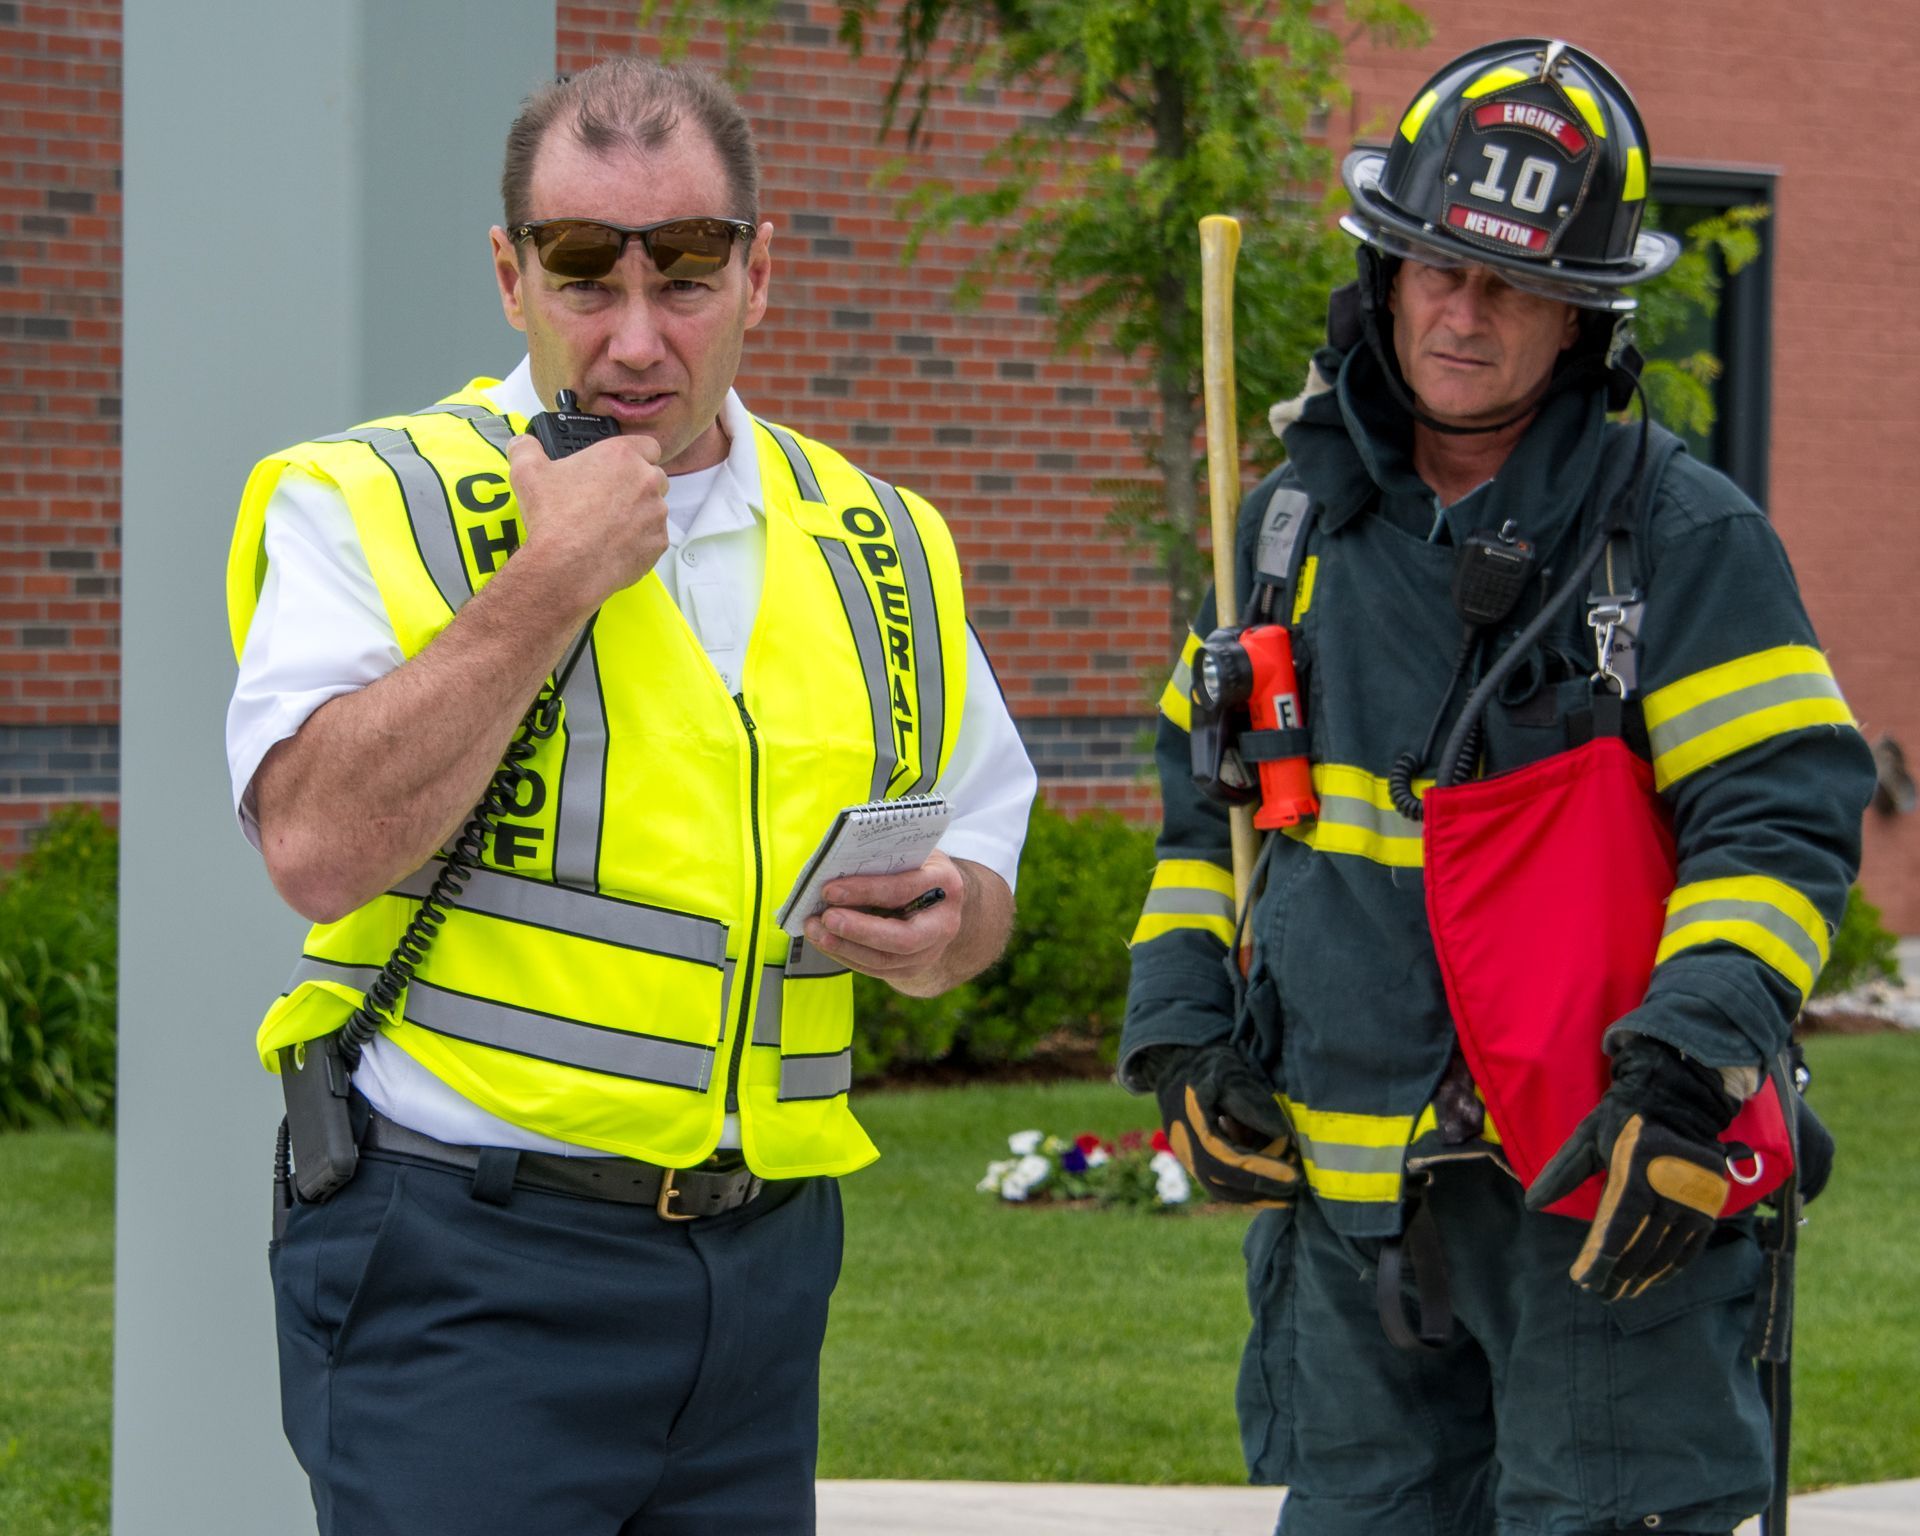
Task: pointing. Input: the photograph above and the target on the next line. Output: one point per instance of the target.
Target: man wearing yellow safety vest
(1499, 1063)
(567, 1102)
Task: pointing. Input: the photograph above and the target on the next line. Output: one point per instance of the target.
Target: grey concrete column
(308, 191)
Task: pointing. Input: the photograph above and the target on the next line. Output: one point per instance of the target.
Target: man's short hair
(633, 104)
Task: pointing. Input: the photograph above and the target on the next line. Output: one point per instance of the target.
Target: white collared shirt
(321, 630)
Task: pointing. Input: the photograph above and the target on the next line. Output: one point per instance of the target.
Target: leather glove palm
(1655, 1134)
(1226, 1127)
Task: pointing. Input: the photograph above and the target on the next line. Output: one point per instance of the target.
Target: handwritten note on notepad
(882, 837)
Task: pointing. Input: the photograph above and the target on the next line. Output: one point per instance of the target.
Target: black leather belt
(676, 1194)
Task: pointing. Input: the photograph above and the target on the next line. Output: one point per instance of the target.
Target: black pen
(919, 903)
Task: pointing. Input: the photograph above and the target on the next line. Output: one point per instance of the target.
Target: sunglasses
(587, 248)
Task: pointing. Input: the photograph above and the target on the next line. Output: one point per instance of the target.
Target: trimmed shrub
(1863, 950)
(59, 975)
(1063, 979)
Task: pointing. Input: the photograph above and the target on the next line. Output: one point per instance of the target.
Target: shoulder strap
(1281, 551)
(1616, 604)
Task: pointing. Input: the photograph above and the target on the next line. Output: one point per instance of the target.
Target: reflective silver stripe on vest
(583, 777)
(873, 657)
(630, 924)
(313, 968)
(491, 425)
(566, 1042)
(816, 1077)
(1759, 913)
(797, 461)
(425, 499)
(766, 1018)
(804, 963)
(495, 428)
(927, 660)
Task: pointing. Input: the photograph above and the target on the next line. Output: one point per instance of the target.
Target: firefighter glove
(1226, 1126)
(1655, 1135)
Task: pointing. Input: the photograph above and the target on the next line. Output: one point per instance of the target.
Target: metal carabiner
(1746, 1180)
(1604, 620)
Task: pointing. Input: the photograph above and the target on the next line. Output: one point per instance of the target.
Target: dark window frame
(1743, 329)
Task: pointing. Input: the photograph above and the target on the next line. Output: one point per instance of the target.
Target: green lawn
(56, 1332)
(976, 1339)
(972, 1339)
(1857, 1361)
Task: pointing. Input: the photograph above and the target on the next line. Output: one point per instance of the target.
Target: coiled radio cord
(383, 996)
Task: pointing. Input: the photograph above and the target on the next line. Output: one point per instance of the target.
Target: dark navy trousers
(552, 1366)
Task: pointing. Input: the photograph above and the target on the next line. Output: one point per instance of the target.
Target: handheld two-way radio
(316, 1152)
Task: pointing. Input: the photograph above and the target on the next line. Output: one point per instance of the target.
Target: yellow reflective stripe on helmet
(1635, 187)
(1713, 714)
(1187, 894)
(1583, 98)
(1357, 817)
(1175, 701)
(1417, 114)
(1766, 918)
(1303, 598)
(1496, 80)
(1349, 1156)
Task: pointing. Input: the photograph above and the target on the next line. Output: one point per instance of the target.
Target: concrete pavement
(1090, 1509)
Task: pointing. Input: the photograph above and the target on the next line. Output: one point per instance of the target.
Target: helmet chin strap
(1376, 277)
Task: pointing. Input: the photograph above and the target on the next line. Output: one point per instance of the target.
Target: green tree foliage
(59, 976)
(1161, 112)
(1063, 979)
(1680, 388)
(1863, 950)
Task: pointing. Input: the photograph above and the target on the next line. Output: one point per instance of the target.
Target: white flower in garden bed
(1135, 1170)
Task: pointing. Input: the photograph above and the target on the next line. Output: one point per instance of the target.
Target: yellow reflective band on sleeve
(1711, 715)
(1636, 179)
(1357, 817)
(1187, 894)
(1417, 114)
(1349, 1156)
(1496, 80)
(1769, 920)
(1175, 702)
(1303, 599)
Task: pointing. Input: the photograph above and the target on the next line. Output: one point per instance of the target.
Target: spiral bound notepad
(882, 837)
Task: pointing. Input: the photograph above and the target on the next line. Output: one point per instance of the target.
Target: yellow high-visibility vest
(612, 974)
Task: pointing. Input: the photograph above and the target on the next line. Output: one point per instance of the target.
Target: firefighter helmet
(1527, 156)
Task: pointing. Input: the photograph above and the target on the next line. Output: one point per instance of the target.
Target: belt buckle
(668, 1194)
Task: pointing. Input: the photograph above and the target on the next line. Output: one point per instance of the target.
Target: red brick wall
(1811, 93)
(970, 409)
(59, 409)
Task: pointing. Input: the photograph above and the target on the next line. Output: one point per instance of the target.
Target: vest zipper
(748, 989)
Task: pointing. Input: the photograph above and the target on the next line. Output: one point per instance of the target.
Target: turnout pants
(1548, 1414)
(455, 1367)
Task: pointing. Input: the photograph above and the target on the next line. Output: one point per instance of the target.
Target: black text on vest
(882, 561)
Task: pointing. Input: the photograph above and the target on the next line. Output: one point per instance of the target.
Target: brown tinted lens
(578, 250)
(690, 248)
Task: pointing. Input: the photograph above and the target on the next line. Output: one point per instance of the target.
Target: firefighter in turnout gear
(564, 1251)
(1516, 625)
